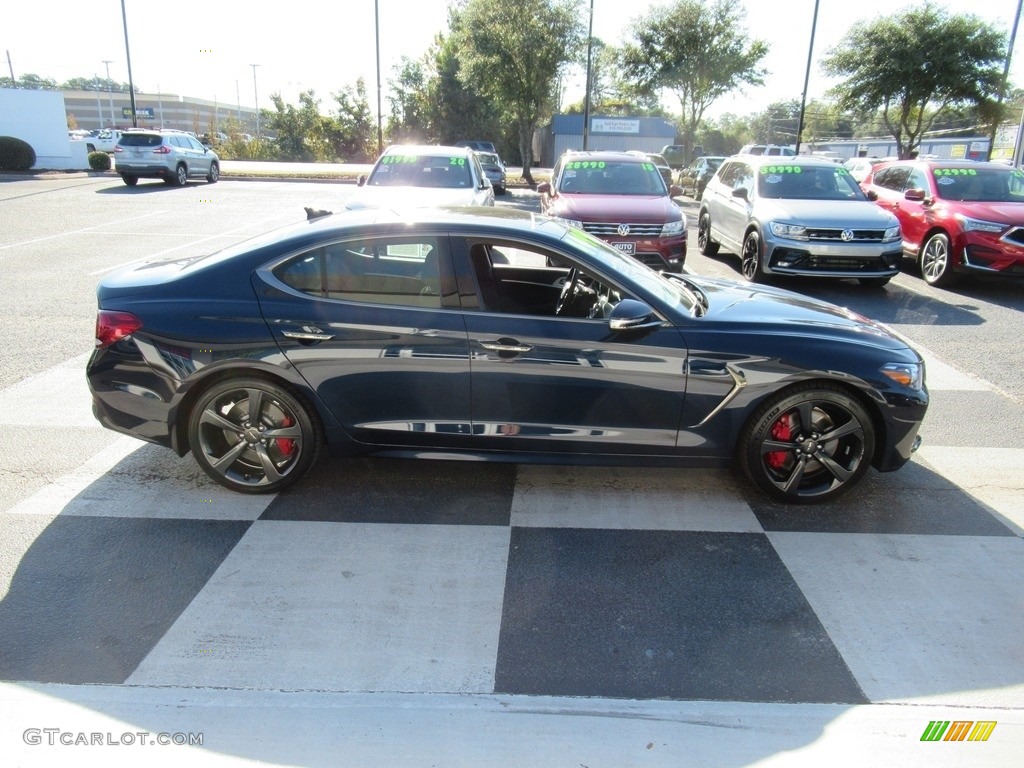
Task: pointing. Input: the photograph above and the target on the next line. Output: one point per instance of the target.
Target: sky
(326, 45)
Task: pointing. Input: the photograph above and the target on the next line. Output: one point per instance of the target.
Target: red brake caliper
(285, 445)
(782, 430)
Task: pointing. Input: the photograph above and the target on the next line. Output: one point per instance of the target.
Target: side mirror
(675, 190)
(872, 195)
(632, 315)
(544, 188)
(361, 180)
(741, 193)
(917, 195)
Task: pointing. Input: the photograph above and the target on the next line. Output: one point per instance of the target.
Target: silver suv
(797, 216)
(174, 156)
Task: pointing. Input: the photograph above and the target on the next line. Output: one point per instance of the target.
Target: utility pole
(586, 97)
(256, 96)
(807, 79)
(10, 66)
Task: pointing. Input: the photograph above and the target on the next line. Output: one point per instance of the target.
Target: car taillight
(162, 150)
(118, 149)
(113, 326)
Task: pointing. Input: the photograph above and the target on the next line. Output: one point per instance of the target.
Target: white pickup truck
(104, 141)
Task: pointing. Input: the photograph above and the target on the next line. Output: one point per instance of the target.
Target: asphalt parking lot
(443, 613)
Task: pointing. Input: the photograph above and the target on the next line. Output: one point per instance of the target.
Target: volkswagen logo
(623, 230)
(847, 235)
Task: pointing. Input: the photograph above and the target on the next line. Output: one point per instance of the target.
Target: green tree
(697, 51)
(912, 66)
(30, 82)
(353, 130)
(301, 131)
(514, 51)
(407, 122)
(95, 83)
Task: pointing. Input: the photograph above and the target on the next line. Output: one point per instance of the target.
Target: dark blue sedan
(498, 335)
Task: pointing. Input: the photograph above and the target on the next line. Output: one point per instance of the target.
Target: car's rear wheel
(752, 259)
(935, 262)
(807, 445)
(130, 180)
(214, 173)
(705, 244)
(181, 175)
(253, 436)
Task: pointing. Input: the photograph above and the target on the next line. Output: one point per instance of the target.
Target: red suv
(958, 217)
(621, 198)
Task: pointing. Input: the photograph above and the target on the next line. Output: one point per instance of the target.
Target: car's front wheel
(752, 258)
(253, 436)
(935, 262)
(807, 445)
(705, 244)
(214, 173)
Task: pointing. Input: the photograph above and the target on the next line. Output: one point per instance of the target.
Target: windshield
(611, 177)
(975, 185)
(422, 171)
(803, 182)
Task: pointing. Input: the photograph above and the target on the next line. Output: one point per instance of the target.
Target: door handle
(505, 345)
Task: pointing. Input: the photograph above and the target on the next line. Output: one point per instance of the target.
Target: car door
(915, 214)
(199, 164)
(734, 211)
(374, 328)
(889, 185)
(542, 382)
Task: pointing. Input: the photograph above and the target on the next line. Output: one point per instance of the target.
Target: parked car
(103, 141)
(494, 170)
(860, 167)
(675, 155)
(693, 178)
(801, 216)
(767, 149)
(959, 218)
(623, 199)
(174, 156)
(413, 176)
(479, 146)
(494, 334)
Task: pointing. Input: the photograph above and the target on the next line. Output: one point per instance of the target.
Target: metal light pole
(256, 97)
(380, 132)
(128, 58)
(1002, 87)
(586, 97)
(807, 79)
(110, 96)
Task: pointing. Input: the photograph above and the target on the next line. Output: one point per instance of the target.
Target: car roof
(633, 155)
(427, 149)
(804, 161)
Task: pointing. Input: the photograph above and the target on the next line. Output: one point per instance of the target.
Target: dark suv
(622, 198)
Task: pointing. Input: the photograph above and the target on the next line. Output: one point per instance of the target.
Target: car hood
(409, 197)
(759, 309)
(842, 214)
(1004, 213)
(632, 208)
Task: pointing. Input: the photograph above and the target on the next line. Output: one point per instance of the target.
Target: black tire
(807, 445)
(752, 258)
(181, 175)
(214, 173)
(705, 244)
(130, 180)
(935, 264)
(253, 436)
(874, 282)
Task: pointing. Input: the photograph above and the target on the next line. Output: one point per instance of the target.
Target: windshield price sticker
(955, 172)
(648, 166)
(774, 169)
(392, 159)
(581, 164)
(456, 161)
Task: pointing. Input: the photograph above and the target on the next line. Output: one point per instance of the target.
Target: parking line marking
(79, 231)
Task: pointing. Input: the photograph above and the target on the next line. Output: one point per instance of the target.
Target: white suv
(174, 156)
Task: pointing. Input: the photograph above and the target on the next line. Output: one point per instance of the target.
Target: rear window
(141, 140)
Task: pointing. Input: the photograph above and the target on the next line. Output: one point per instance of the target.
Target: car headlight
(910, 375)
(789, 231)
(569, 222)
(892, 234)
(979, 225)
(673, 228)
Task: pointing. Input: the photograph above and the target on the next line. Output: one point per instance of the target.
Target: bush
(99, 161)
(15, 154)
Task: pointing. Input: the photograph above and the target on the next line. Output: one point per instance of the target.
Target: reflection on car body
(498, 335)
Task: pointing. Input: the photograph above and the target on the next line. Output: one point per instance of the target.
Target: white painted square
(630, 498)
(924, 619)
(344, 607)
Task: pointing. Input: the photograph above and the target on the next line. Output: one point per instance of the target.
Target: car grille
(836, 235)
(791, 259)
(609, 229)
